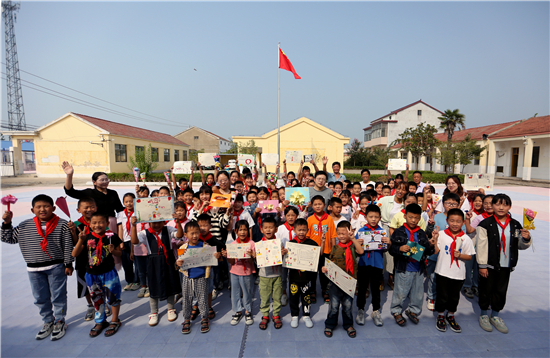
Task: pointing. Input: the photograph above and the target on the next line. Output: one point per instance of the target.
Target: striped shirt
(219, 221)
(60, 243)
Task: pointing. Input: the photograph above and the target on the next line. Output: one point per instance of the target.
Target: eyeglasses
(451, 205)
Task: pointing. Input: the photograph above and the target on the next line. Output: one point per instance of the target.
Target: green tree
(194, 154)
(467, 150)
(450, 121)
(419, 140)
(143, 160)
(249, 148)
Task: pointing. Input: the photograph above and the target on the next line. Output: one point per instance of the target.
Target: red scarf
(503, 236)
(207, 209)
(189, 207)
(50, 227)
(453, 245)
(378, 197)
(356, 201)
(128, 224)
(392, 192)
(485, 215)
(411, 232)
(86, 225)
(242, 242)
(477, 212)
(238, 214)
(289, 228)
(349, 257)
(371, 228)
(99, 247)
(159, 243)
(403, 211)
(205, 238)
(362, 213)
(320, 219)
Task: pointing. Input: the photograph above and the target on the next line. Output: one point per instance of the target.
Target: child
(399, 218)
(409, 275)
(347, 209)
(46, 245)
(239, 187)
(240, 214)
(195, 282)
(359, 219)
(355, 195)
(371, 265)
(101, 274)
(301, 282)
(338, 187)
(242, 278)
(378, 187)
(412, 187)
(124, 229)
(263, 194)
(189, 202)
(321, 225)
(386, 190)
(219, 220)
(335, 209)
(344, 256)
(142, 191)
(453, 245)
(210, 179)
(271, 282)
(155, 193)
(161, 273)
(498, 239)
(391, 184)
(286, 233)
(251, 202)
(330, 185)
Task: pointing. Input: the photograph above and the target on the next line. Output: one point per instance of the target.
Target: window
(500, 169)
(140, 150)
(155, 154)
(167, 155)
(120, 152)
(184, 155)
(419, 112)
(383, 132)
(404, 155)
(535, 159)
(196, 137)
(176, 155)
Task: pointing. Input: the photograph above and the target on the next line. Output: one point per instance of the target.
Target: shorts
(105, 286)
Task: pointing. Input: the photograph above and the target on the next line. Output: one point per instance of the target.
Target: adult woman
(391, 205)
(107, 200)
(223, 186)
(453, 185)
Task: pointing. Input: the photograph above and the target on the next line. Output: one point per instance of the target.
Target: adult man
(319, 189)
(335, 176)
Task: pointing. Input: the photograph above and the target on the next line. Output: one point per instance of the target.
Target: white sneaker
(47, 330)
(377, 318)
(308, 322)
(360, 318)
(172, 315)
(430, 305)
(141, 292)
(499, 324)
(294, 322)
(127, 287)
(214, 294)
(284, 299)
(153, 319)
(58, 331)
(146, 292)
(135, 286)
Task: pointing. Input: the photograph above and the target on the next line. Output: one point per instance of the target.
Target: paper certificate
(237, 251)
(309, 157)
(270, 159)
(268, 253)
(372, 240)
(302, 257)
(293, 156)
(183, 167)
(397, 164)
(207, 159)
(246, 160)
(159, 208)
(476, 181)
(340, 278)
(198, 257)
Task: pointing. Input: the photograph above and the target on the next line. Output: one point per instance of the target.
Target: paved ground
(526, 314)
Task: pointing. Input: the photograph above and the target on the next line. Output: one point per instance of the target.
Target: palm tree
(450, 121)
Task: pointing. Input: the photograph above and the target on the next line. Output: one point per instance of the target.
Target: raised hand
(81, 234)
(8, 215)
(325, 160)
(67, 168)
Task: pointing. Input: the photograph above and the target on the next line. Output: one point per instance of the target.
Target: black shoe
(452, 324)
(468, 292)
(440, 324)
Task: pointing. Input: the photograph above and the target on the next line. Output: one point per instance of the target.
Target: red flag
(285, 64)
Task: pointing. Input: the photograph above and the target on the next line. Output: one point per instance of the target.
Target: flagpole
(279, 102)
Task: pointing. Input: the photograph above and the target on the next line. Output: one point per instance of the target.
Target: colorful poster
(268, 206)
(268, 253)
(477, 180)
(220, 200)
(183, 167)
(309, 157)
(340, 278)
(207, 159)
(198, 257)
(159, 208)
(237, 251)
(417, 250)
(372, 240)
(298, 197)
(397, 164)
(293, 156)
(246, 161)
(302, 257)
(270, 159)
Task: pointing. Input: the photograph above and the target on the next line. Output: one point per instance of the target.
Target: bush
(436, 178)
(151, 177)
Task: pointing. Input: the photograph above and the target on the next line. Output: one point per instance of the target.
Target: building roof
(403, 108)
(477, 132)
(204, 130)
(527, 127)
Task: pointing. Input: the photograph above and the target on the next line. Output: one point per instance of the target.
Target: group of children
(151, 253)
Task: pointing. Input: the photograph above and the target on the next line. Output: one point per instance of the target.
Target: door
(515, 156)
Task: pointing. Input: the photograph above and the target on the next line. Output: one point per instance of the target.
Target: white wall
(543, 170)
(224, 146)
(409, 117)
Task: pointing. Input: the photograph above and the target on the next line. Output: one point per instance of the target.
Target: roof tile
(531, 126)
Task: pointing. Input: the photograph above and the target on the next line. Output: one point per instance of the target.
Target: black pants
(368, 275)
(128, 265)
(493, 288)
(323, 279)
(299, 292)
(447, 293)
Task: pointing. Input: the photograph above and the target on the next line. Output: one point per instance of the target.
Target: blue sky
(358, 61)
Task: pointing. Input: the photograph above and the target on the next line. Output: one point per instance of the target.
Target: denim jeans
(141, 268)
(337, 297)
(244, 284)
(409, 284)
(49, 289)
(431, 280)
(472, 273)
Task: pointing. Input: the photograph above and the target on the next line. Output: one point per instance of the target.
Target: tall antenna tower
(16, 112)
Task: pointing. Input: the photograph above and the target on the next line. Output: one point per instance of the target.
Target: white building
(383, 131)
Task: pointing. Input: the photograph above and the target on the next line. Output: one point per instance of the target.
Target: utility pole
(16, 112)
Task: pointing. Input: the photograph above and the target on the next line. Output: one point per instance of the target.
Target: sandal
(97, 331)
(211, 313)
(399, 319)
(326, 297)
(328, 332)
(186, 329)
(113, 328)
(277, 322)
(194, 313)
(313, 298)
(264, 322)
(352, 333)
(412, 316)
(205, 326)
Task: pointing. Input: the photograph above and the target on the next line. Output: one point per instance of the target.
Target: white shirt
(122, 220)
(465, 206)
(443, 266)
(142, 237)
(420, 187)
(364, 185)
(283, 235)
